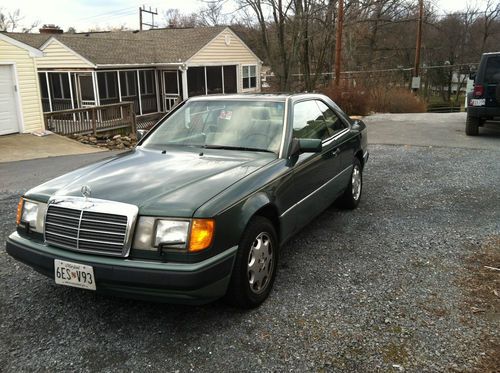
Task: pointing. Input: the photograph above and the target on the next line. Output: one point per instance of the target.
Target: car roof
(256, 96)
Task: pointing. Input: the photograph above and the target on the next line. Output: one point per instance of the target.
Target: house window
(249, 76)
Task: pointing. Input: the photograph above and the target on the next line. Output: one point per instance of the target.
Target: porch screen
(108, 87)
(214, 79)
(196, 81)
(148, 91)
(230, 79)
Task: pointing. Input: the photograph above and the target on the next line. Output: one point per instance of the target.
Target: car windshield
(225, 124)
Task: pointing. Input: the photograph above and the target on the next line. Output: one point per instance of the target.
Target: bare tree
(175, 19)
(211, 14)
(491, 15)
(11, 21)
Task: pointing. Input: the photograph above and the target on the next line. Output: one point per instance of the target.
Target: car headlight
(191, 235)
(171, 233)
(31, 214)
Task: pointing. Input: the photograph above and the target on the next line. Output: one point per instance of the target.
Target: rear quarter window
(492, 73)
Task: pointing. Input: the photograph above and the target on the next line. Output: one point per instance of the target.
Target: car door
(314, 184)
(343, 140)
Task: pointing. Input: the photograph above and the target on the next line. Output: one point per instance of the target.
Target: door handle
(335, 152)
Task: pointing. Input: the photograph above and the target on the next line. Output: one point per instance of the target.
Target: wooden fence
(92, 119)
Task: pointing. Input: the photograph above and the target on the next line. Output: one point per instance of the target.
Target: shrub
(395, 100)
(352, 100)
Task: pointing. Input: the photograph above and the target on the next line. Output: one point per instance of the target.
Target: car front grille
(81, 229)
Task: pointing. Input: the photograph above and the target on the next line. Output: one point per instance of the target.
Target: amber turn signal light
(202, 233)
(19, 211)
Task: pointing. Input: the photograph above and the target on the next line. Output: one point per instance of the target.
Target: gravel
(373, 289)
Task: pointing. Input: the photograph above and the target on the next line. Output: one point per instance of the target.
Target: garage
(9, 120)
(20, 103)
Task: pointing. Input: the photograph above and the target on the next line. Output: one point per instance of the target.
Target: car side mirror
(140, 134)
(306, 146)
(356, 125)
(472, 75)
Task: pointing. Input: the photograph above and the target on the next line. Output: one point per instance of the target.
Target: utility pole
(415, 84)
(338, 42)
(144, 10)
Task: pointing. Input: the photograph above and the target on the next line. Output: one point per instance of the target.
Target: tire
(352, 195)
(472, 126)
(253, 277)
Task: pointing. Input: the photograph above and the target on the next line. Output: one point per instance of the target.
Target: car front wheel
(352, 194)
(255, 265)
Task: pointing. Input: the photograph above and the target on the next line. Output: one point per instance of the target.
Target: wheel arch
(261, 205)
(359, 155)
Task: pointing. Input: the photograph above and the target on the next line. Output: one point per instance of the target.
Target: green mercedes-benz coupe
(201, 207)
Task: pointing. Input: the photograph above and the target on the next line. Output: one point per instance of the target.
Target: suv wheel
(472, 126)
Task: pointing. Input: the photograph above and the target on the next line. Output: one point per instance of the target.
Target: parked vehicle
(200, 208)
(484, 100)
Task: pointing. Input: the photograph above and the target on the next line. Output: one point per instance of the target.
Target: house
(154, 69)
(20, 101)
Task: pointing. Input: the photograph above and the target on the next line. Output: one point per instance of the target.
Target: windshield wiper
(228, 147)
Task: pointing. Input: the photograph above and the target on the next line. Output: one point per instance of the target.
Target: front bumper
(193, 283)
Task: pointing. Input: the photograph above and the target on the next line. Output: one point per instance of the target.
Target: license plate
(74, 274)
(478, 102)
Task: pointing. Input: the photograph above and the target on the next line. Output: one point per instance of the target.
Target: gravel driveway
(376, 289)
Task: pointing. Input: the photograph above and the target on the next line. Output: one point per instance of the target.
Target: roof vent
(50, 29)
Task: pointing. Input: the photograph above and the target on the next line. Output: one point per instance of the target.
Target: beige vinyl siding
(236, 53)
(56, 56)
(27, 78)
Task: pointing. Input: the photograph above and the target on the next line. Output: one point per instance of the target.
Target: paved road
(430, 129)
(376, 289)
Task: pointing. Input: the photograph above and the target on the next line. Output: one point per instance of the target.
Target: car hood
(174, 182)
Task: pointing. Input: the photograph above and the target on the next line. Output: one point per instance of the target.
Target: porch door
(171, 89)
(85, 90)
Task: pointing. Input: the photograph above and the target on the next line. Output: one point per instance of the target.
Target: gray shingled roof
(131, 47)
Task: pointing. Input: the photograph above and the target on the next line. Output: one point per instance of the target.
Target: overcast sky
(84, 14)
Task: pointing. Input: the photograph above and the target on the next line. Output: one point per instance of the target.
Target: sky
(85, 14)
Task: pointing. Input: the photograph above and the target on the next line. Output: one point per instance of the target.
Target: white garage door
(9, 122)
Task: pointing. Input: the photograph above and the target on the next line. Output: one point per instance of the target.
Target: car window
(492, 74)
(223, 123)
(308, 121)
(333, 122)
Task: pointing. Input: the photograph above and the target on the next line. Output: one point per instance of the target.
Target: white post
(119, 85)
(139, 92)
(157, 91)
(185, 93)
(94, 87)
(223, 79)
(206, 86)
(71, 95)
(48, 90)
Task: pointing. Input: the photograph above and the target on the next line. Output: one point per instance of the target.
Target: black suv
(484, 100)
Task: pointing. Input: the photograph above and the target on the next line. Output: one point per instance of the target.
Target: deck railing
(92, 119)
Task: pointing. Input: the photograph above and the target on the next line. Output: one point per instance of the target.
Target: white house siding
(236, 53)
(27, 78)
(57, 56)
